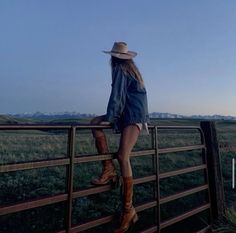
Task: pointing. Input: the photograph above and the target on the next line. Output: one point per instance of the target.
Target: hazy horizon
(52, 60)
(87, 113)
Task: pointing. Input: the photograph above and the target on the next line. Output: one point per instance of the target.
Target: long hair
(128, 67)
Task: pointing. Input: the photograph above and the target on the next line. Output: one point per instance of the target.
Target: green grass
(7, 120)
(228, 223)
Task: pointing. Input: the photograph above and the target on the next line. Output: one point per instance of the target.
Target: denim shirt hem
(118, 126)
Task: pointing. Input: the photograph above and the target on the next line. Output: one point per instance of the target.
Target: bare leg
(99, 120)
(128, 139)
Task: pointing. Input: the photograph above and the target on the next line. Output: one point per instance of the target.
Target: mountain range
(73, 115)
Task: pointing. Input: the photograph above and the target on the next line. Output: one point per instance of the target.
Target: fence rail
(72, 159)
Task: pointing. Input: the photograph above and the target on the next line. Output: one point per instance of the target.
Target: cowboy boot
(129, 215)
(108, 170)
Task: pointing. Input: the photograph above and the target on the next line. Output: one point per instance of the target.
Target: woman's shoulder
(118, 72)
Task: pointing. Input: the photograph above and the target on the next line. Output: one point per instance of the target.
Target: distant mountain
(208, 117)
(76, 115)
(53, 115)
(164, 115)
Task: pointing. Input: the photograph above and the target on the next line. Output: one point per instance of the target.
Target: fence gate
(213, 185)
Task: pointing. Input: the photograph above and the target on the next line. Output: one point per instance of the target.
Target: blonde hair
(128, 67)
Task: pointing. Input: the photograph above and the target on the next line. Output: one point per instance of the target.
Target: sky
(51, 56)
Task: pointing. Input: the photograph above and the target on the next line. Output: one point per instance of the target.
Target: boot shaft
(127, 193)
(108, 168)
(129, 215)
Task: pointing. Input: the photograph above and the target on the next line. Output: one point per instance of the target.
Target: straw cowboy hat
(120, 50)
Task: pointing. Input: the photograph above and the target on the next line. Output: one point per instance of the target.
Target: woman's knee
(122, 158)
(96, 121)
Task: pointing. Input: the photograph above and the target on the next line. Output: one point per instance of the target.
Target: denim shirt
(128, 101)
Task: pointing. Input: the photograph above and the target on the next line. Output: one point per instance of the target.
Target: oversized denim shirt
(128, 101)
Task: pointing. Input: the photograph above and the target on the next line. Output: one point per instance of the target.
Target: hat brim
(128, 55)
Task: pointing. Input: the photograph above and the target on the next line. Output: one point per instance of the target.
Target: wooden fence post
(214, 170)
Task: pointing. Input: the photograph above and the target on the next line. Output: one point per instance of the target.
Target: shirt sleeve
(118, 96)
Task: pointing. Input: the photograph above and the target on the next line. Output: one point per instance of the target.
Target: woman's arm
(118, 96)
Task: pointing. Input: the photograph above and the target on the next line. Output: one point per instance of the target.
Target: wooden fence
(211, 167)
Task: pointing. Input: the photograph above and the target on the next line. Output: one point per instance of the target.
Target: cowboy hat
(120, 50)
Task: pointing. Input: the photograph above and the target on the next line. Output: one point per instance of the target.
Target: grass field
(19, 146)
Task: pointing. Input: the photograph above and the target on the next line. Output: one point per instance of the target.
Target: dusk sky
(51, 56)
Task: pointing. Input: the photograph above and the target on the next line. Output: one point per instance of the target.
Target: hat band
(119, 52)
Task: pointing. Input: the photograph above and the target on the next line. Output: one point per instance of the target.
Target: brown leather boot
(129, 215)
(108, 171)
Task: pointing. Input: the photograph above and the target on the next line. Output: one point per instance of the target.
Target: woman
(128, 114)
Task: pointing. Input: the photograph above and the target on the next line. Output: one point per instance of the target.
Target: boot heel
(135, 218)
